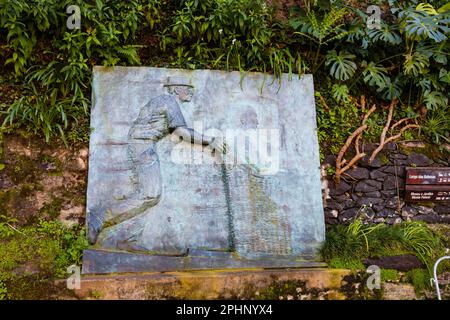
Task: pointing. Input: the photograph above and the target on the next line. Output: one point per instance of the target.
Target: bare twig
(409, 126)
(366, 117)
(356, 134)
(363, 102)
(385, 130)
(353, 161)
(349, 142)
(399, 123)
(15, 229)
(357, 143)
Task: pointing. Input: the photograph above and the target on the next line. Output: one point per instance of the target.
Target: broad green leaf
(342, 65)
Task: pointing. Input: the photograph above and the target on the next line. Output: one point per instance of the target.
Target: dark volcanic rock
(419, 160)
(340, 199)
(433, 218)
(358, 173)
(330, 159)
(368, 186)
(408, 211)
(330, 221)
(391, 204)
(377, 174)
(340, 189)
(373, 194)
(368, 148)
(334, 205)
(356, 196)
(332, 214)
(348, 214)
(424, 209)
(343, 200)
(369, 201)
(401, 263)
(400, 163)
(368, 212)
(391, 146)
(393, 220)
(398, 171)
(376, 163)
(398, 156)
(392, 182)
(378, 207)
(349, 204)
(441, 209)
(388, 194)
(386, 213)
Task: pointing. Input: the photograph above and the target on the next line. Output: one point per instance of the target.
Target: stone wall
(376, 191)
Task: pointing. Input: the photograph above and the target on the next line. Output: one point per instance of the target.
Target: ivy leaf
(342, 65)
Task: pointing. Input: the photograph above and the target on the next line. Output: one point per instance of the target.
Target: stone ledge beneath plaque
(104, 262)
(210, 284)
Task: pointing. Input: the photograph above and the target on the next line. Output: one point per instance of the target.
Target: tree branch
(385, 130)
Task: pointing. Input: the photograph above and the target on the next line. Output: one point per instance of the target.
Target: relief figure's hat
(178, 81)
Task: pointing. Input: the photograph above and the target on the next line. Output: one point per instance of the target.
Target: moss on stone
(23, 170)
(279, 289)
(6, 198)
(384, 158)
(442, 231)
(52, 209)
(354, 288)
(33, 256)
(390, 275)
(432, 151)
(341, 263)
(33, 287)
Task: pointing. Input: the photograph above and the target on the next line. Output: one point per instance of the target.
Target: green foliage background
(51, 65)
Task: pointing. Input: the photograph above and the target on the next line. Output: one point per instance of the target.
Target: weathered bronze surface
(154, 200)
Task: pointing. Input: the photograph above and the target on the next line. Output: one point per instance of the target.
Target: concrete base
(213, 284)
(106, 262)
